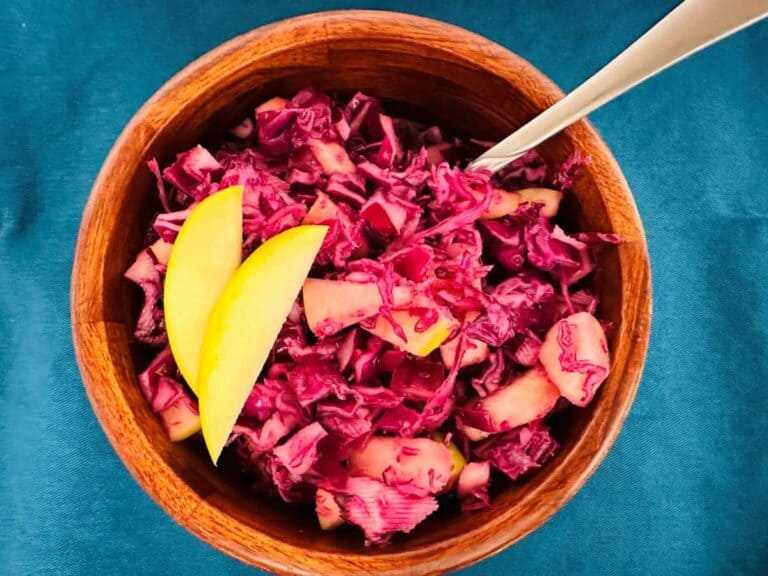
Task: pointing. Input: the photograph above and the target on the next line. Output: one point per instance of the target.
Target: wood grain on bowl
(429, 70)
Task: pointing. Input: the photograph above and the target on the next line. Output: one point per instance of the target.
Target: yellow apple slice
(244, 324)
(205, 255)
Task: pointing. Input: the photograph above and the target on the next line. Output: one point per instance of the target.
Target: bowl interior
(427, 71)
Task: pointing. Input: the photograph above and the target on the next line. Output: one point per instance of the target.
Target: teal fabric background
(684, 490)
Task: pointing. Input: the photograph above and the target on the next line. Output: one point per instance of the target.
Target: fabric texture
(685, 488)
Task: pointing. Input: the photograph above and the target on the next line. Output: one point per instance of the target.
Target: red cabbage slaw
(443, 300)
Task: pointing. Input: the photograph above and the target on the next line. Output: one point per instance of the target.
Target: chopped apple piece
(328, 510)
(322, 210)
(332, 305)
(504, 203)
(418, 343)
(244, 324)
(162, 251)
(205, 255)
(575, 356)
(477, 351)
(457, 459)
(419, 463)
(332, 157)
(181, 420)
(546, 196)
(527, 397)
(275, 103)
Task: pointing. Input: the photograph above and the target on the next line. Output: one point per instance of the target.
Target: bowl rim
(202, 517)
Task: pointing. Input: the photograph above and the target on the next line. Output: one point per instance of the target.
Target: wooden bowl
(427, 69)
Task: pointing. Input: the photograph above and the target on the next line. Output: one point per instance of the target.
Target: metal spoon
(693, 25)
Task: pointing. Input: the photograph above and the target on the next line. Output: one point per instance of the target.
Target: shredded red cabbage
(443, 300)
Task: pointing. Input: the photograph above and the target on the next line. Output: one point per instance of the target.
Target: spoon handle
(691, 26)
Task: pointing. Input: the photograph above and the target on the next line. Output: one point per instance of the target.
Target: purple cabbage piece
(495, 326)
(299, 453)
(400, 421)
(388, 214)
(162, 366)
(518, 451)
(344, 238)
(289, 462)
(162, 192)
(594, 238)
(376, 396)
(527, 171)
(347, 187)
(417, 379)
(271, 412)
(307, 115)
(150, 325)
(264, 398)
(411, 262)
(167, 225)
(569, 170)
(492, 375)
(372, 134)
(192, 172)
(282, 219)
(347, 420)
(380, 510)
(527, 351)
(313, 381)
(165, 392)
(253, 441)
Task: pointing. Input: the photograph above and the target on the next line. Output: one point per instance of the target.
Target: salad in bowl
(364, 324)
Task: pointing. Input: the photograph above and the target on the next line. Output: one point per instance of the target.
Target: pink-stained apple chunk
(458, 462)
(418, 343)
(525, 398)
(548, 198)
(181, 419)
(327, 509)
(332, 157)
(162, 251)
(473, 476)
(351, 342)
(420, 465)
(477, 351)
(575, 356)
(273, 104)
(332, 305)
(343, 128)
(322, 211)
(504, 203)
